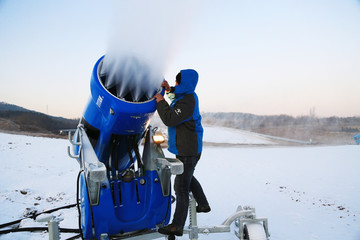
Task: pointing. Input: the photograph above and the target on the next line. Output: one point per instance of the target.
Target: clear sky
(255, 56)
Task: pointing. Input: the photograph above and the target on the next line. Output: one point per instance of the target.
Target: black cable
(117, 150)
(137, 154)
(109, 162)
(36, 229)
(78, 202)
(35, 215)
(132, 234)
(33, 229)
(168, 208)
(74, 237)
(128, 145)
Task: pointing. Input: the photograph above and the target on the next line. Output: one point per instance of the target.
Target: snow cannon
(121, 192)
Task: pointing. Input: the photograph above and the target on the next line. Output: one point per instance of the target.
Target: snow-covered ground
(233, 136)
(307, 193)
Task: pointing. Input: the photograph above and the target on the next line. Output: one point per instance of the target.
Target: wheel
(171, 237)
(254, 231)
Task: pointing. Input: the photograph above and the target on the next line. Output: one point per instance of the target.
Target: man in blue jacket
(185, 132)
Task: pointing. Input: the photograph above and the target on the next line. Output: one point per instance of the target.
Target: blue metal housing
(131, 197)
(131, 215)
(112, 115)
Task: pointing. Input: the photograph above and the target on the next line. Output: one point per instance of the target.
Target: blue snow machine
(121, 192)
(357, 139)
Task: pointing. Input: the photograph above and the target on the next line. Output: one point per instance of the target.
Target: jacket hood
(189, 79)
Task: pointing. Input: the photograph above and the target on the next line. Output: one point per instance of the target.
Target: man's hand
(158, 97)
(165, 85)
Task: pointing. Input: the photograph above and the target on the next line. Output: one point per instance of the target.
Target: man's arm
(182, 110)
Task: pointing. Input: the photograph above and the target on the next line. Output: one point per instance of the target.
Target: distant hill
(328, 130)
(11, 107)
(18, 119)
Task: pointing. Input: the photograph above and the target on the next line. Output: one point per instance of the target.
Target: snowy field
(307, 193)
(233, 136)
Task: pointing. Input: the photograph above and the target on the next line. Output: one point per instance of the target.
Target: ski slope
(234, 136)
(306, 192)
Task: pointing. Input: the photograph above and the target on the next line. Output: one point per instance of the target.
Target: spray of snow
(141, 45)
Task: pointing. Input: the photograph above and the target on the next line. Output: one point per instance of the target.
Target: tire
(254, 231)
(171, 237)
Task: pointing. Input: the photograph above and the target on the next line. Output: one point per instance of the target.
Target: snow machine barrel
(121, 190)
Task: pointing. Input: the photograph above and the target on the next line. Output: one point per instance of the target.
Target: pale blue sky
(255, 56)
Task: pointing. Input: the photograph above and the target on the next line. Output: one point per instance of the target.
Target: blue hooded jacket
(183, 117)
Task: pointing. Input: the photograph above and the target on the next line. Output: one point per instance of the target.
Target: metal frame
(242, 216)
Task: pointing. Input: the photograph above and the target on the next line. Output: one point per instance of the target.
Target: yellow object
(158, 138)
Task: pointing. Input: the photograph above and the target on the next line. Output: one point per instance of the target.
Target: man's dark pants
(185, 183)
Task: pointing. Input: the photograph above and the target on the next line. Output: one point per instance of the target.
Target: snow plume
(131, 78)
(142, 42)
